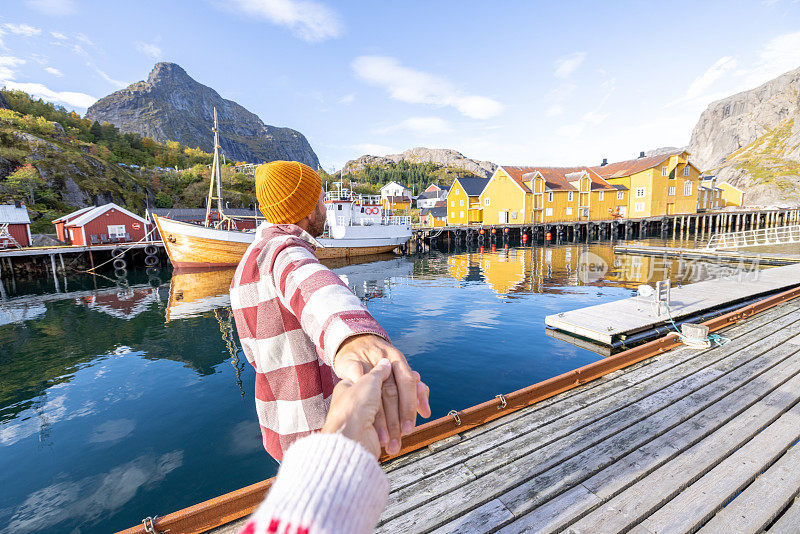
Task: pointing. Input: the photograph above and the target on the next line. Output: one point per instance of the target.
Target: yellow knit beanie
(287, 191)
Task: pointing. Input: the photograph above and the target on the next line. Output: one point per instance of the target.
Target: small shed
(15, 226)
(104, 225)
(434, 217)
(61, 222)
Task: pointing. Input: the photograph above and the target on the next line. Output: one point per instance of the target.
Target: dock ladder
(754, 238)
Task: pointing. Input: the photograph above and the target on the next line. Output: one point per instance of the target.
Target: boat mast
(216, 177)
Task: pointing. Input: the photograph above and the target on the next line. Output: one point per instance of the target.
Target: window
(486, 201)
(585, 212)
(550, 196)
(686, 171)
(601, 195)
(461, 215)
(116, 230)
(452, 203)
(639, 206)
(462, 201)
(687, 188)
(569, 211)
(548, 211)
(620, 195)
(339, 207)
(455, 190)
(671, 191)
(641, 192)
(513, 215)
(569, 196)
(664, 171)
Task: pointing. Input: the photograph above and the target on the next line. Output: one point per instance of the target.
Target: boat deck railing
(345, 195)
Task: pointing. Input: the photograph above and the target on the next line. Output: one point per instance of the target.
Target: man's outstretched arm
(349, 338)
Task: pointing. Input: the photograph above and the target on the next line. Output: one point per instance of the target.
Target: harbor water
(126, 399)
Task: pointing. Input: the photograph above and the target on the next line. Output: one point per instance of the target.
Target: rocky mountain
(439, 156)
(752, 140)
(171, 106)
(3, 104)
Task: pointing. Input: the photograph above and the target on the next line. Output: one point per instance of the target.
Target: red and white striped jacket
(292, 314)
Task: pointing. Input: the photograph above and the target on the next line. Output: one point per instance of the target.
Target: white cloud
(52, 7)
(84, 39)
(77, 100)
(418, 87)
(106, 77)
(372, 149)
(308, 20)
(54, 71)
(571, 130)
(565, 66)
(149, 49)
(595, 117)
(348, 99)
(58, 35)
(8, 67)
(419, 125)
(711, 75)
(22, 29)
(778, 56)
(554, 110)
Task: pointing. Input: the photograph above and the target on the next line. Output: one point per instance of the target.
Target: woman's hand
(354, 406)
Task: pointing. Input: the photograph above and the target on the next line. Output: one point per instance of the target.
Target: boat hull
(190, 246)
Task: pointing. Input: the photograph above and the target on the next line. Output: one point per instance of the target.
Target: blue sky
(528, 83)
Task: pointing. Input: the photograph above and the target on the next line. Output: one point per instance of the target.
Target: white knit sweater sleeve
(326, 484)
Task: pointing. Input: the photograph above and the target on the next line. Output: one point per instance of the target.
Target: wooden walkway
(760, 258)
(606, 323)
(688, 440)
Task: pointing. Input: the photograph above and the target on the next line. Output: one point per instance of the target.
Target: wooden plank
(697, 503)
(539, 475)
(667, 464)
(550, 517)
(789, 521)
(761, 502)
(481, 519)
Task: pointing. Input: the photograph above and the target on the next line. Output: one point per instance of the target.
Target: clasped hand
(403, 394)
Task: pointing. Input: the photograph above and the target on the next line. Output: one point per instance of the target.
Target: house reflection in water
(510, 271)
(124, 303)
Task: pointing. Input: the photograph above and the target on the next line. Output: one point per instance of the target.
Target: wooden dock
(683, 441)
(741, 256)
(607, 323)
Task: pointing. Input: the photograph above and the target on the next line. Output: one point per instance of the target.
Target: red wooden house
(15, 226)
(104, 225)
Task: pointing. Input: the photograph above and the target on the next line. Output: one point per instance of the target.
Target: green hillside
(55, 161)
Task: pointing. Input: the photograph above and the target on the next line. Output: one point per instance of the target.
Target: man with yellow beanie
(302, 328)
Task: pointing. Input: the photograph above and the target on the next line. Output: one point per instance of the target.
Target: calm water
(119, 402)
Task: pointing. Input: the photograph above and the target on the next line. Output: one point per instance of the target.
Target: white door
(623, 210)
(503, 217)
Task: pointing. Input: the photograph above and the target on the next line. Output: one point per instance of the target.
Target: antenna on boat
(216, 177)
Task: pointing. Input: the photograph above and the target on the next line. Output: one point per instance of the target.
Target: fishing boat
(356, 225)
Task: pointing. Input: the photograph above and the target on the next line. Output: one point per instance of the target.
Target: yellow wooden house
(396, 203)
(434, 217)
(562, 194)
(732, 195)
(665, 184)
(463, 201)
(507, 199)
